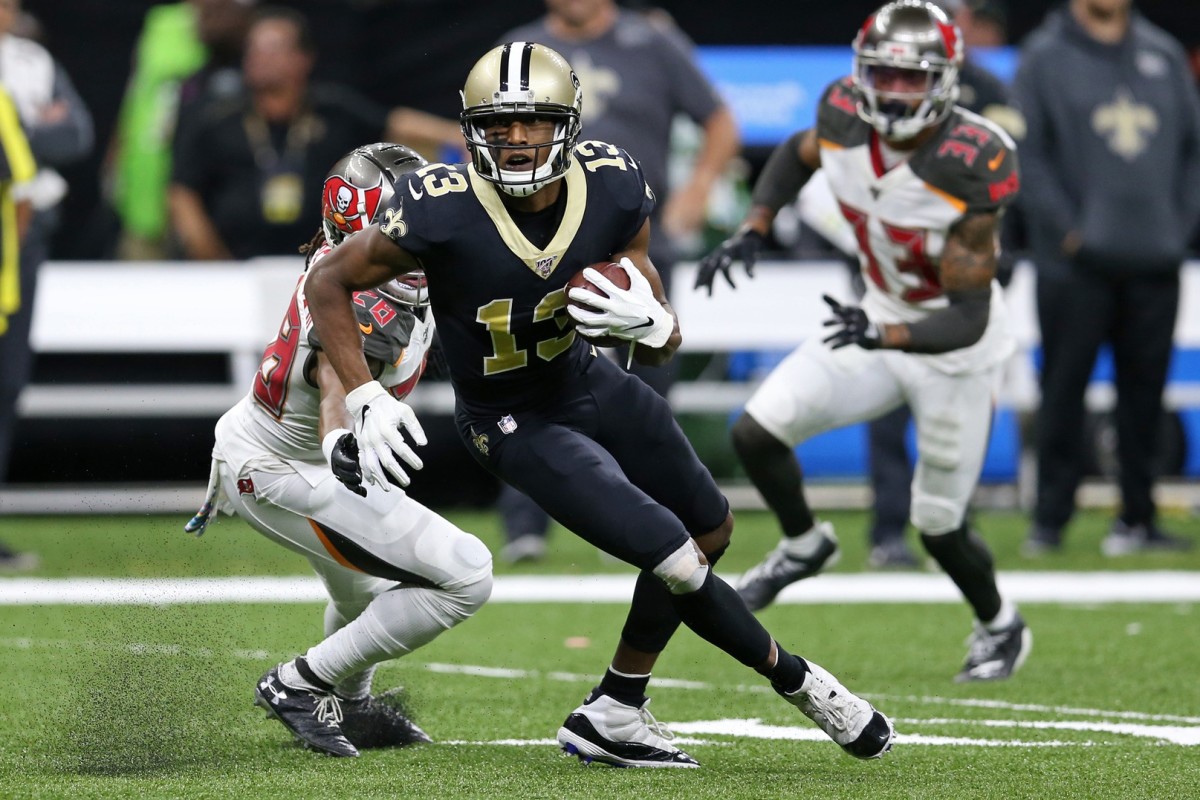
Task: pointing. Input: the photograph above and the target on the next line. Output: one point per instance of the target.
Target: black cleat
(996, 656)
(609, 732)
(759, 586)
(312, 717)
(380, 721)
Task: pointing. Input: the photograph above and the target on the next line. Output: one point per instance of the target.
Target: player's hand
(852, 327)
(633, 314)
(742, 246)
(379, 419)
(343, 460)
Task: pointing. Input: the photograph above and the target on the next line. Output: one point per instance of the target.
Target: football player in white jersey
(923, 184)
(397, 573)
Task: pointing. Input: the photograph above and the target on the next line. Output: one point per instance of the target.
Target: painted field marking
(1075, 588)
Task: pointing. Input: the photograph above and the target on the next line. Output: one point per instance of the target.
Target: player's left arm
(967, 268)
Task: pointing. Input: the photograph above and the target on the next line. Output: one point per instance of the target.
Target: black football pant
(1078, 312)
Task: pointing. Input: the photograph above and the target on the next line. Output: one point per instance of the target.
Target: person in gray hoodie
(1112, 194)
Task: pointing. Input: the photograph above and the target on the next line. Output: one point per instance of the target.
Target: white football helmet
(529, 80)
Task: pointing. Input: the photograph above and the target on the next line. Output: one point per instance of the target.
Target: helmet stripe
(514, 72)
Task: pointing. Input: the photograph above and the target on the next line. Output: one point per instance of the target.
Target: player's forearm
(657, 356)
(958, 325)
(329, 303)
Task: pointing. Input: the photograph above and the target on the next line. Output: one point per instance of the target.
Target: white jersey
(275, 427)
(901, 216)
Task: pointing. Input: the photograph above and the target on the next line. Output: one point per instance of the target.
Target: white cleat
(849, 720)
(610, 732)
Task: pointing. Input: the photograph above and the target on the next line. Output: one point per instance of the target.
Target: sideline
(1023, 587)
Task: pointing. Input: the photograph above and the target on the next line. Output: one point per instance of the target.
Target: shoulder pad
(385, 326)
(620, 173)
(837, 115)
(972, 160)
(420, 209)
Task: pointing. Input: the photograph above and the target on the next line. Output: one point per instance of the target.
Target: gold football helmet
(521, 79)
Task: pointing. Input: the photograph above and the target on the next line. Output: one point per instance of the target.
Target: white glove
(378, 420)
(633, 314)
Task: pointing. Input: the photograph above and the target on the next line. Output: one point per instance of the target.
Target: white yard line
(1028, 587)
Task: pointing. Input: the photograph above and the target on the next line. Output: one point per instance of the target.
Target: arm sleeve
(958, 325)
(1043, 195)
(783, 176)
(70, 140)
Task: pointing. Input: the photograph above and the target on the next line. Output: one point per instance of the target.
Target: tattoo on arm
(969, 257)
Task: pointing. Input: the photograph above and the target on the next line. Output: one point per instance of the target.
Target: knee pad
(474, 590)
(935, 516)
(682, 571)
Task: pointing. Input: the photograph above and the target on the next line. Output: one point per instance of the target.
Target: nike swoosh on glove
(379, 419)
(633, 314)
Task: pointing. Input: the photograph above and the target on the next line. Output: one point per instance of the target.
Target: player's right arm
(790, 166)
(363, 261)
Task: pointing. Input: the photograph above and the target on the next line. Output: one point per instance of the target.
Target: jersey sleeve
(621, 178)
(838, 122)
(972, 162)
(385, 326)
(422, 211)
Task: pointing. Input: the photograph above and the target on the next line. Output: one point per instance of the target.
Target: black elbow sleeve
(783, 176)
(958, 325)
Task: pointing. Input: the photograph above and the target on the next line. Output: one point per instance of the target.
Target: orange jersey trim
(961, 205)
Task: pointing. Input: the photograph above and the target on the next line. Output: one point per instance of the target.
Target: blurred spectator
(57, 131)
(245, 169)
(188, 52)
(1112, 192)
(637, 72)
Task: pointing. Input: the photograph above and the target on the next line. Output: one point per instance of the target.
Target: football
(615, 273)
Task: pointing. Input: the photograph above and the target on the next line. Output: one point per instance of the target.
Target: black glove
(344, 463)
(855, 328)
(743, 245)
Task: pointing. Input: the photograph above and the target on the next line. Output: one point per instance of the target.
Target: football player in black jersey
(498, 238)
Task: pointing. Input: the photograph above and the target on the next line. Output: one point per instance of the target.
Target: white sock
(291, 677)
(806, 544)
(1004, 619)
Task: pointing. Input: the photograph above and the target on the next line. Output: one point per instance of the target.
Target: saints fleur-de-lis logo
(480, 440)
(1125, 124)
(394, 225)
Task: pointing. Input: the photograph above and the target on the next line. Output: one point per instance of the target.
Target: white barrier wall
(236, 308)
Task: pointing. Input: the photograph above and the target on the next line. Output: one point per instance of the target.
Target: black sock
(787, 676)
(966, 559)
(652, 619)
(718, 615)
(627, 689)
(306, 672)
(774, 470)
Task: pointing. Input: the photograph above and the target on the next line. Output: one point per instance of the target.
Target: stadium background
(400, 52)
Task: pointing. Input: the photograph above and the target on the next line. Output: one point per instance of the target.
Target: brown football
(615, 273)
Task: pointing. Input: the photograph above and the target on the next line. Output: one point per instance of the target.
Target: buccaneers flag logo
(349, 208)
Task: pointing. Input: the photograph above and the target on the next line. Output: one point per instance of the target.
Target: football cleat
(609, 732)
(1124, 539)
(314, 718)
(380, 721)
(994, 656)
(849, 720)
(760, 585)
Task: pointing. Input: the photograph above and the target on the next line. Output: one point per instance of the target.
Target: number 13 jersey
(901, 216)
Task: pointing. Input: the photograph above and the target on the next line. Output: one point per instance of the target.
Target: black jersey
(499, 300)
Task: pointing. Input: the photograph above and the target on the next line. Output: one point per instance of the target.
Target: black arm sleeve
(783, 176)
(958, 325)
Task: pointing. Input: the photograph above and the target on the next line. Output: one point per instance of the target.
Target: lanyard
(300, 132)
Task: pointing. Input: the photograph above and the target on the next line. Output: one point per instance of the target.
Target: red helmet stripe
(950, 39)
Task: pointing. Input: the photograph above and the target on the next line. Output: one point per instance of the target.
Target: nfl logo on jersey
(508, 424)
(544, 267)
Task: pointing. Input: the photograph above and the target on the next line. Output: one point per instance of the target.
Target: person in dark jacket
(1112, 195)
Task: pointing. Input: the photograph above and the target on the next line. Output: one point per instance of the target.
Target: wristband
(357, 398)
(330, 441)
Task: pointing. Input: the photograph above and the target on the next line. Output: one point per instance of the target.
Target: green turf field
(154, 701)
